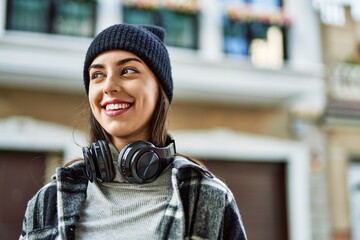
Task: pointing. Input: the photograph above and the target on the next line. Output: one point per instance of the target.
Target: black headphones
(138, 162)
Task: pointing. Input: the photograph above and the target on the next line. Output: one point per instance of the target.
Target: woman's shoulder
(186, 165)
(200, 175)
(71, 177)
(74, 169)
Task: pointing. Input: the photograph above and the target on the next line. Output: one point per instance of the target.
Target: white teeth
(116, 106)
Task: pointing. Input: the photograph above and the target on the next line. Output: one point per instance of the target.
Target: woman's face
(123, 93)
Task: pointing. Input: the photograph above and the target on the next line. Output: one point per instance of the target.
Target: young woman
(131, 184)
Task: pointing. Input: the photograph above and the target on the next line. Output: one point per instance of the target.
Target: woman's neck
(120, 142)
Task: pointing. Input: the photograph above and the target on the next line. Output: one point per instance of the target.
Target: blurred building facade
(341, 118)
(252, 99)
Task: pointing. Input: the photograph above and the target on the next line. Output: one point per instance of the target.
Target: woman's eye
(128, 71)
(96, 75)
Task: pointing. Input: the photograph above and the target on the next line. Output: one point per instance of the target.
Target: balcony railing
(67, 17)
(344, 82)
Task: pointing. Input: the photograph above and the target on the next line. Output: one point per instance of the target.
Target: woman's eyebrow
(96, 66)
(126, 60)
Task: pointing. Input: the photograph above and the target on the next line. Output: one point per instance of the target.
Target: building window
(256, 29)
(180, 19)
(66, 17)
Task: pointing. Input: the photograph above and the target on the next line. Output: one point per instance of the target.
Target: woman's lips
(115, 108)
(114, 113)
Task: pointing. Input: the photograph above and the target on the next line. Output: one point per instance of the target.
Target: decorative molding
(25, 133)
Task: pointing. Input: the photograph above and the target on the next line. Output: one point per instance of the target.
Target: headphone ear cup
(142, 162)
(89, 164)
(105, 162)
(148, 165)
(98, 162)
(131, 164)
(123, 163)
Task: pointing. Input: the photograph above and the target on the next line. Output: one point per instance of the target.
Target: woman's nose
(111, 85)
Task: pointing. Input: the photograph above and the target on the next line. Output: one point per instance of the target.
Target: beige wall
(257, 120)
(339, 42)
(56, 107)
(343, 142)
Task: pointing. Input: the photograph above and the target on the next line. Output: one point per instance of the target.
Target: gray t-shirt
(121, 210)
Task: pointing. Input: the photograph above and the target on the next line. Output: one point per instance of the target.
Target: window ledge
(45, 40)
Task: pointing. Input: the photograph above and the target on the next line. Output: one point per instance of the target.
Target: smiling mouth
(117, 106)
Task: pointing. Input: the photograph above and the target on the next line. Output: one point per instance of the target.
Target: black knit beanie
(145, 41)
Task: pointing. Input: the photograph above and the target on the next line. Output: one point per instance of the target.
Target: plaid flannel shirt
(200, 206)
